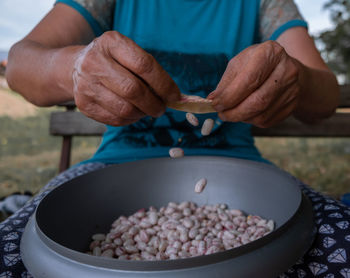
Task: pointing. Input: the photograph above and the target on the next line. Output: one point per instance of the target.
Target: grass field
(29, 155)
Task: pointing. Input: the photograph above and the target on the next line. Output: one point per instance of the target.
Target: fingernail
(212, 95)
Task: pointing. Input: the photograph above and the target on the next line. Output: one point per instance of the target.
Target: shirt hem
(286, 26)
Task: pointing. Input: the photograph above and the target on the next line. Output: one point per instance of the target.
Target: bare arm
(319, 87)
(40, 66)
(111, 80)
(266, 83)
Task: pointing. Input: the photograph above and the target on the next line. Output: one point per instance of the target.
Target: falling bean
(207, 127)
(200, 185)
(192, 119)
(176, 152)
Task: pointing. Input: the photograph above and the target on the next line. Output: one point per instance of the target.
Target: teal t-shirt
(193, 40)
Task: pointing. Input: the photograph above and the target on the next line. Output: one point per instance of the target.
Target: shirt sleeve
(98, 13)
(277, 16)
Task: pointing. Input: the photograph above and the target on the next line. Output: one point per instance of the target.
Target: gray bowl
(59, 232)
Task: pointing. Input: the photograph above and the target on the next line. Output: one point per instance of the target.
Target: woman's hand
(117, 83)
(260, 86)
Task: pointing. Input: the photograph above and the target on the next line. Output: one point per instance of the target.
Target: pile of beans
(178, 231)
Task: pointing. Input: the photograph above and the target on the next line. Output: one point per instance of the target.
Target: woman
(122, 62)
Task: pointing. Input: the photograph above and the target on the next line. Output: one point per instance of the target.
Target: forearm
(319, 94)
(40, 74)
(319, 88)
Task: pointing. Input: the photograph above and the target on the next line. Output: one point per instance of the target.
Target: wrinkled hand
(117, 83)
(260, 86)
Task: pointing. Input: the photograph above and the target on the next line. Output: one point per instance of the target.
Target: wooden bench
(71, 123)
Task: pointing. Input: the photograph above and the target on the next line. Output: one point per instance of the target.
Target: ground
(29, 155)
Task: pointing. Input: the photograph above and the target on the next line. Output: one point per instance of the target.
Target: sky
(18, 17)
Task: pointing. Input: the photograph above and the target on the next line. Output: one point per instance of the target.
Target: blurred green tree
(335, 43)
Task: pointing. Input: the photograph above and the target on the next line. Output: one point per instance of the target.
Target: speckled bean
(207, 127)
(200, 185)
(176, 152)
(192, 119)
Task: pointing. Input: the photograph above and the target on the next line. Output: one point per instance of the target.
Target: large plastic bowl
(59, 233)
